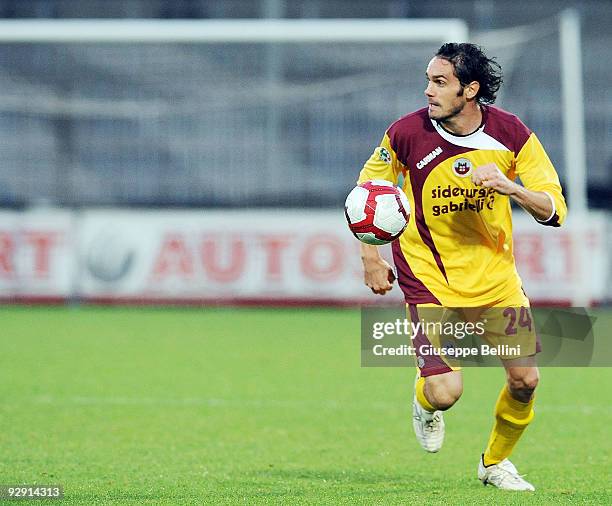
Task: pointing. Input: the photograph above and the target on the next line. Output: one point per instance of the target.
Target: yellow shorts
(450, 336)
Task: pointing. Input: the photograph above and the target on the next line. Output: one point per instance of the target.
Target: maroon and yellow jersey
(457, 249)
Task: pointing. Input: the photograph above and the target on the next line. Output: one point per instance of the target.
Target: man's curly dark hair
(471, 64)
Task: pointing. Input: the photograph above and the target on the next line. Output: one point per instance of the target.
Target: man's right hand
(378, 275)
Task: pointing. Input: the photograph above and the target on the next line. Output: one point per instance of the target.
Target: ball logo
(462, 167)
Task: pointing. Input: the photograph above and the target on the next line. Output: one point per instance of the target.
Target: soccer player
(459, 157)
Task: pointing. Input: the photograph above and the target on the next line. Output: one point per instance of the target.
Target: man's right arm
(383, 164)
(378, 275)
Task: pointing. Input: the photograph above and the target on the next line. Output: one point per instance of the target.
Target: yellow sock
(420, 395)
(511, 418)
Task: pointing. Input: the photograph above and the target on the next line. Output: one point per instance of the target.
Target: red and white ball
(377, 212)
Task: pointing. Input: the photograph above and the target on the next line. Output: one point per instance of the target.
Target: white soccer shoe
(428, 427)
(503, 475)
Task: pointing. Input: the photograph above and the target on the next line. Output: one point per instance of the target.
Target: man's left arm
(541, 196)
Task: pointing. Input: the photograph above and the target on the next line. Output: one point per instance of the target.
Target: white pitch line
(212, 402)
(277, 403)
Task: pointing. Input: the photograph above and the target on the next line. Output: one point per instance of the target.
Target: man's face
(445, 95)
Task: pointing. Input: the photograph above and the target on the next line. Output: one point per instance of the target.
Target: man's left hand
(489, 176)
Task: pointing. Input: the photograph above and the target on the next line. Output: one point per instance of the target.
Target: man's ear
(471, 90)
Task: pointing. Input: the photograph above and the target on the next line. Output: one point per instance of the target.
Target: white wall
(273, 256)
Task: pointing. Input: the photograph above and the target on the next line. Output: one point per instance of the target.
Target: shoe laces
(509, 473)
(432, 425)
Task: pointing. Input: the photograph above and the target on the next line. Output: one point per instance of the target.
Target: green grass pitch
(264, 406)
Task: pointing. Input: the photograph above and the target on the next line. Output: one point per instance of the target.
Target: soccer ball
(377, 212)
